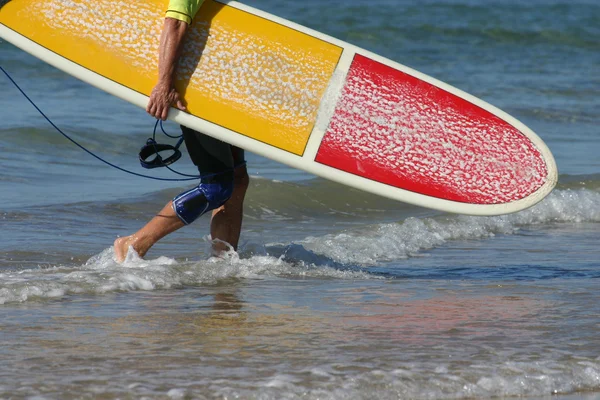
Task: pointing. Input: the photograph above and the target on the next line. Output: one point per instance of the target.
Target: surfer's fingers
(153, 104)
(176, 100)
(163, 112)
(151, 108)
(181, 105)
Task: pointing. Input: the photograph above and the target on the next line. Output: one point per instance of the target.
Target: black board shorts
(214, 158)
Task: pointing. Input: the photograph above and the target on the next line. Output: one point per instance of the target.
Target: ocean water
(335, 293)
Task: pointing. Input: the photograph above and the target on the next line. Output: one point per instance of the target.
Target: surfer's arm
(171, 44)
(179, 15)
(164, 94)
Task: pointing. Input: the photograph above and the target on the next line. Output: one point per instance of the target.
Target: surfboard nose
(399, 130)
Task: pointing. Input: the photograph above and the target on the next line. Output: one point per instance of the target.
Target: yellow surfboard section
(240, 71)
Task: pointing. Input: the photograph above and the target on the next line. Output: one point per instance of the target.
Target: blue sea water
(335, 294)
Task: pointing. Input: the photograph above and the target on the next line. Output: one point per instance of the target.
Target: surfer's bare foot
(221, 248)
(121, 247)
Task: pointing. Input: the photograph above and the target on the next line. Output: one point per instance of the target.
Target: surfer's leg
(215, 161)
(226, 222)
(182, 210)
(213, 156)
(161, 225)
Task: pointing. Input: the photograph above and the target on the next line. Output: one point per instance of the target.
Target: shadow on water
(301, 257)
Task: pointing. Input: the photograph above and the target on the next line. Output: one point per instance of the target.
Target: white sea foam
(424, 381)
(102, 274)
(311, 257)
(386, 242)
(176, 394)
(478, 381)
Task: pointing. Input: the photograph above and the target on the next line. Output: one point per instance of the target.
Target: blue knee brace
(205, 197)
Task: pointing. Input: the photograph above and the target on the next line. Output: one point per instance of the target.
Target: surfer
(224, 178)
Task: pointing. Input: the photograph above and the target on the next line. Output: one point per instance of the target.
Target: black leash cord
(191, 177)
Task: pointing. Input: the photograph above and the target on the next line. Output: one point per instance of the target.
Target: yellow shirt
(183, 10)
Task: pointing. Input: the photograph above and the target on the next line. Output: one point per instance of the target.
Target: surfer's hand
(161, 99)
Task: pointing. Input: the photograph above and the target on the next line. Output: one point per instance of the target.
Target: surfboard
(301, 98)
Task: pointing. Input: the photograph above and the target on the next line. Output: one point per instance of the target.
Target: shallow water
(356, 298)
